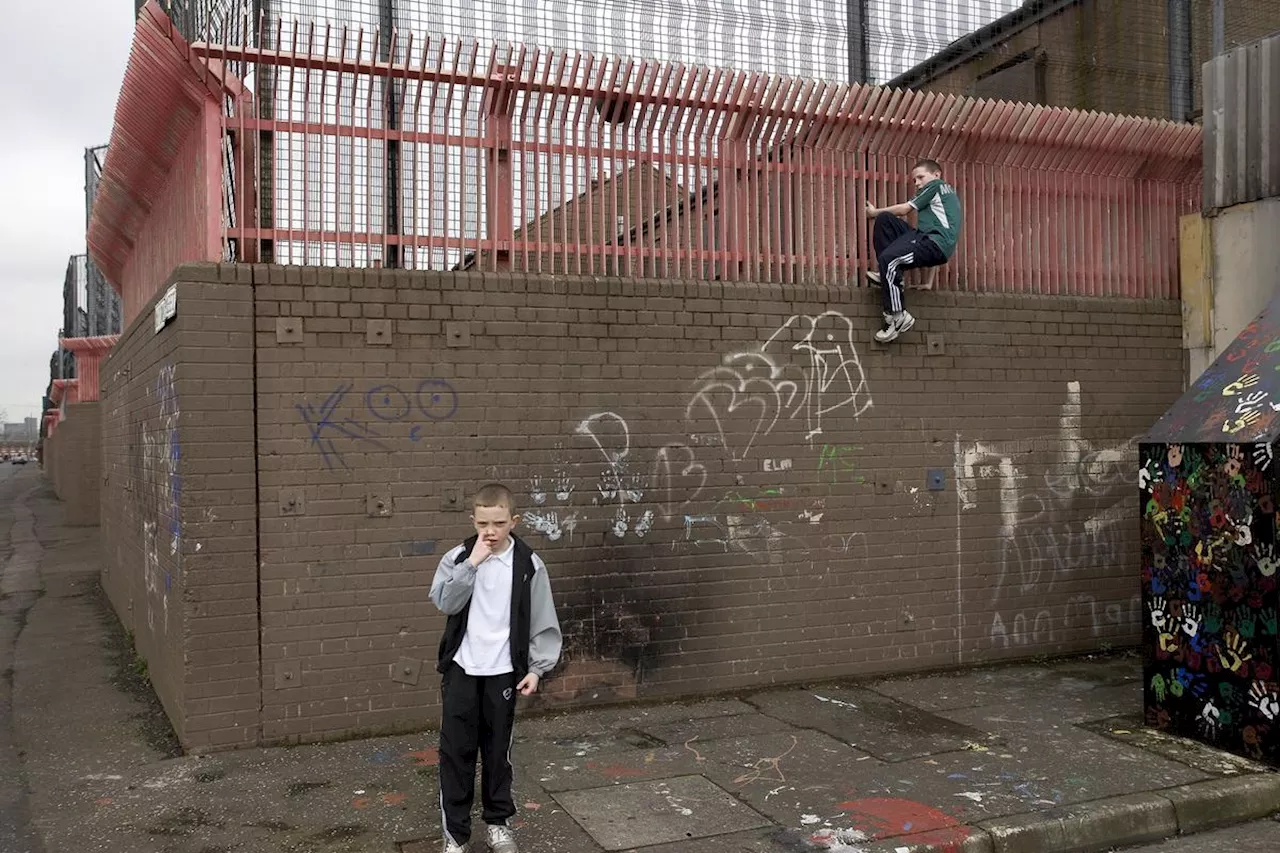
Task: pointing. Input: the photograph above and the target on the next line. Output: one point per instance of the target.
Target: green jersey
(939, 209)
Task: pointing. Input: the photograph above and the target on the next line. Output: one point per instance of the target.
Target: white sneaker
(502, 840)
(450, 847)
(894, 326)
(874, 277)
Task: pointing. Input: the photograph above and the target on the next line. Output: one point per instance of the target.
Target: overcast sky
(58, 85)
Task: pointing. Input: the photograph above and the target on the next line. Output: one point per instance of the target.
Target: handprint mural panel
(1209, 561)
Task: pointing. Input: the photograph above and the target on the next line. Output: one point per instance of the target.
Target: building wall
(730, 483)
(78, 462)
(179, 531)
(1230, 269)
(51, 463)
(1106, 55)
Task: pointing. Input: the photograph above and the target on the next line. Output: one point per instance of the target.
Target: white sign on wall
(167, 307)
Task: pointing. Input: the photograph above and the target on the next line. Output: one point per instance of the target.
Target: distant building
(21, 432)
(1115, 56)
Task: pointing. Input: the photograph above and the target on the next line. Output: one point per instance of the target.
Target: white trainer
(895, 326)
(502, 840)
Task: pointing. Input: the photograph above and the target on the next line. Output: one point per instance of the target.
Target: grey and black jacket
(535, 628)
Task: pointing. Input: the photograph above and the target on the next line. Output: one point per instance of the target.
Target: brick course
(728, 482)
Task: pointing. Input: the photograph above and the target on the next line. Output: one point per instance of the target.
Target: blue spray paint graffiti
(386, 403)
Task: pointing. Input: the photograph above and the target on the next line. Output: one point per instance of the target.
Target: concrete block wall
(732, 484)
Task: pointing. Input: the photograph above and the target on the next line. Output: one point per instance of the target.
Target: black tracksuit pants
(478, 713)
(900, 247)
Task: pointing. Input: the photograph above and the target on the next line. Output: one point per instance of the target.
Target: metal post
(1219, 27)
(1180, 76)
(391, 191)
(263, 23)
(857, 21)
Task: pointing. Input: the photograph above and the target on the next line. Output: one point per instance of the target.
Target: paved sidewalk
(1044, 758)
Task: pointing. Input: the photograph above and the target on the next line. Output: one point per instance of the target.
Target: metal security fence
(359, 146)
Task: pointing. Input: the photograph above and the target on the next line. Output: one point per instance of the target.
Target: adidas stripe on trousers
(900, 247)
(477, 715)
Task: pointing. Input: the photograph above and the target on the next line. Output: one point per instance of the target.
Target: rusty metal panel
(1242, 125)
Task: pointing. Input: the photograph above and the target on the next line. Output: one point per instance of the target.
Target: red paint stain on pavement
(425, 757)
(360, 802)
(394, 798)
(615, 771)
(886, 817)
(104, 801)
(532, 806)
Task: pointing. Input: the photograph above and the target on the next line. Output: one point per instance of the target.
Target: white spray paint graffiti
(806, 371)
(1043, 540)
(161, 490)
(765, 385)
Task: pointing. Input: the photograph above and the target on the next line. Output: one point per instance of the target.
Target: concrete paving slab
(603, 767)
(1064, 682)
(1128, 729)
(704, 729)
(877, 724)
(640, 814)
(602, 722)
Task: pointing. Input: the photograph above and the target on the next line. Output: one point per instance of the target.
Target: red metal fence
(366, 148)
(89, 353)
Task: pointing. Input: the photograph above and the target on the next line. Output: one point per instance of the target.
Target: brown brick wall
(179, 530)
(51, 462)
(730, 483)
(77, 462)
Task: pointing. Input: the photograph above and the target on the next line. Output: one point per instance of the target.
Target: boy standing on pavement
(900, 247)
(502, 636)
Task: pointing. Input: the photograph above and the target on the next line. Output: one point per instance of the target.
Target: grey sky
(58, 85)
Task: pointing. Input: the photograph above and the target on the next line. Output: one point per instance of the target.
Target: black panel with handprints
(1238, 398)
(1209, 586)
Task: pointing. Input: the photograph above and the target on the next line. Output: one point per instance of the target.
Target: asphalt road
(19, 589)
(1262, 836)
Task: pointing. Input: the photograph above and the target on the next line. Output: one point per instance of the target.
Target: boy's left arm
(545, 640)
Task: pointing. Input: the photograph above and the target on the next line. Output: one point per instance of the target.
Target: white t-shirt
(486, 646)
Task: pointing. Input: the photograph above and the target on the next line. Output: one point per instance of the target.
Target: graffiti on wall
(1209, 581)
(761, 419)
(158, 490)
(806, 376)
(1063, 517)
(347, 418)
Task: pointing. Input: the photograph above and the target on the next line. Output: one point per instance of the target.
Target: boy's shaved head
(493, 495)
